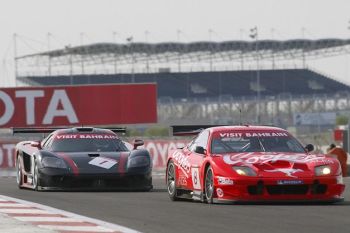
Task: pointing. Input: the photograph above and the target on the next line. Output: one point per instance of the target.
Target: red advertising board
(78, 105)
(7, 154)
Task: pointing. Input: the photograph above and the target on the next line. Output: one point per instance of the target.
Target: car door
(196, 159)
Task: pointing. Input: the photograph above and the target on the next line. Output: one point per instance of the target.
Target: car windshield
(88, 145)
(255, 142)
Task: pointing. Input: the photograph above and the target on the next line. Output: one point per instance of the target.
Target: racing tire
(36, 178)
(171, 181)
(209, 185)
(19, 175)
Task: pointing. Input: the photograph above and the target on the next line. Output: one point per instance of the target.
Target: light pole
(147, 53)
(254, 35)
(115, 52)
(210, 31)
(303, 30)
(48, 49)
(178, 32)
(69, 53)
(81, 56)
(15, 57)
(130, 40)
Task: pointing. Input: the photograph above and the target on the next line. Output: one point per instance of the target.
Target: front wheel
(209, 185)
(171, 181)
(36, 177)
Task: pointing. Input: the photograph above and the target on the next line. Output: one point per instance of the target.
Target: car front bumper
(316, 189)
(60, 179)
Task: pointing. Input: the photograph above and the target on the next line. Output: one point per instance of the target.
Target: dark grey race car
(82, 159)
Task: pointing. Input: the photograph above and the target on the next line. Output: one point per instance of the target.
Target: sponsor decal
(287, 171)
(159, 150)
(323, 161)
(195, 178)
(289, 182)
(253, 134)
(7, 154)
(16, 100)
(86, 136)
(225, 181)
(182, 181)
(73, 105)
(182, 162)
(103, 162)
(219, 192)
(253, 157)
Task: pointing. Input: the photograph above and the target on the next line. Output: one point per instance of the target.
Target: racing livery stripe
(49, 218)
(71, 163)
(122, 162)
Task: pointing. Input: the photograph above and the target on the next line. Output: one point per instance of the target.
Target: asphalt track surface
(154, 212)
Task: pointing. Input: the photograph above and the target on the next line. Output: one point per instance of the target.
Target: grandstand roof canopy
(128, 54)
(166, 47)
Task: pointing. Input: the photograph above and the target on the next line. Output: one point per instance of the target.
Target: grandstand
(206, 81)
(202, 85)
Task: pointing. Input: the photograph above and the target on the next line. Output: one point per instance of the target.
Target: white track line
(42, 209)
(79, 228)
(12, 205)
(47, 219)
(23, 211)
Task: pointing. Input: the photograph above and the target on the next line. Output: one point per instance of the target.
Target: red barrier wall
(78, 105)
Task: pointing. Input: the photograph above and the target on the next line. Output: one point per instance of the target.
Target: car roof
(77, 130)
(245, 128)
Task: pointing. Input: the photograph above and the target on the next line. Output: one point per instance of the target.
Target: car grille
(260, 188)
(287, 189)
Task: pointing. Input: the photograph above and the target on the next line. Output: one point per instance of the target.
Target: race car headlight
(139, 161)
(323, 170)
(244, 171)
(53, 162)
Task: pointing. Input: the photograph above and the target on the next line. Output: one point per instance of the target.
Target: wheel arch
(166, 168)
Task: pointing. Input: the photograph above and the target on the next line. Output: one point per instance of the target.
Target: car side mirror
(36, 144)
(200, 150)
(309, 147)
(137, 143)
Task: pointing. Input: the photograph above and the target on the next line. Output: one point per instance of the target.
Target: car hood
(272, 164)
(95, 162)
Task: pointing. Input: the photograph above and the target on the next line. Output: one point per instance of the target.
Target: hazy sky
(98, 19)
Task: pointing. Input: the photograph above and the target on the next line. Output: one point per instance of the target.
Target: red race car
(250, 163)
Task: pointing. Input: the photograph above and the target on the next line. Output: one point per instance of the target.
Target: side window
(192, 144)
(47, 143)
(201, 140)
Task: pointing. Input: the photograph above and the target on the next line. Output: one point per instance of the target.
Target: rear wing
(33, 130)
(47, 130)
(117, 130)
(188, 130)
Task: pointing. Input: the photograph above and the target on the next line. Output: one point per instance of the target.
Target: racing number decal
(195, 178)
(103, 162)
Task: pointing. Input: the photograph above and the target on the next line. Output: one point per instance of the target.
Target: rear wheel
(171, 181)
(19, 172)
(209, 185)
